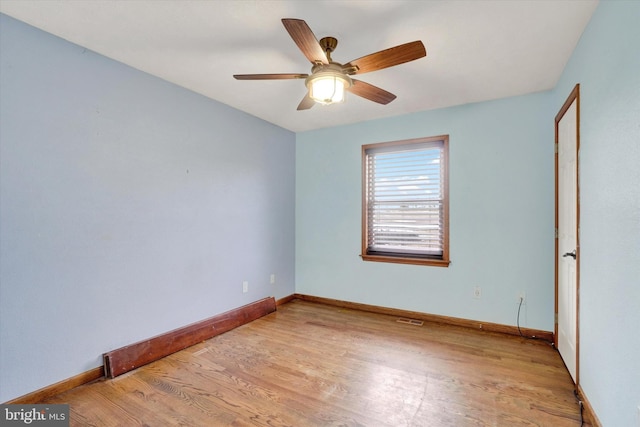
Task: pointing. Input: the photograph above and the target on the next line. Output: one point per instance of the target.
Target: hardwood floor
(315, 365)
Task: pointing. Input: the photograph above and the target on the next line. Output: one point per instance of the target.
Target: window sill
(407, 260)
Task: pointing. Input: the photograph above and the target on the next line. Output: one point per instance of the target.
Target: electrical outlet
(477, 292)
(273, 279)
(522, 296)
(245, 287)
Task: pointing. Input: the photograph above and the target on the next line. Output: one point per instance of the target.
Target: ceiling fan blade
(387, 58)
(306, 103)
(371, 92)
(269, 76)
(306, 41)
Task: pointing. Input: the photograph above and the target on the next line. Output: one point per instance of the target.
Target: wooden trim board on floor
(125, 359)
(473, 324)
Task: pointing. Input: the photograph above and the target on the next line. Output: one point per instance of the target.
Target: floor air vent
(413, 322)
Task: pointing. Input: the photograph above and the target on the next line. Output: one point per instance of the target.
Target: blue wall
(606, 63)
(501, 214)
(128, 207)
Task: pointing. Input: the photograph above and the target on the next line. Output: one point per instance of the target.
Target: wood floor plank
(310, 364)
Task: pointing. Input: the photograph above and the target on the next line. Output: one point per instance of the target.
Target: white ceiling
(477, 50)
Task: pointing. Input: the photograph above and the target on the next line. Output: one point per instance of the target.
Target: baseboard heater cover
(125, 359)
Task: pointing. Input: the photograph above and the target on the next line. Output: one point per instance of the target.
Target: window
(405, 201)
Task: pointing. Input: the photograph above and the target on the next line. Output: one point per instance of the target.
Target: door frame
(573, 96)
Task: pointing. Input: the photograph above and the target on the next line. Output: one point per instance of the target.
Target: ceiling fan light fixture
(327, 87)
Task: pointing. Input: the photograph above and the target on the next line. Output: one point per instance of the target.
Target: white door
(567, 223)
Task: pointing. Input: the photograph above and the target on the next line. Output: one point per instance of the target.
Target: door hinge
(555, 233)
(556, 317)
(555, 148)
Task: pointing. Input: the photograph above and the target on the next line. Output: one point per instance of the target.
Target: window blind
(405, 199)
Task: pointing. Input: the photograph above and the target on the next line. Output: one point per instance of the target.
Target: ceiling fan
(329, 79)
